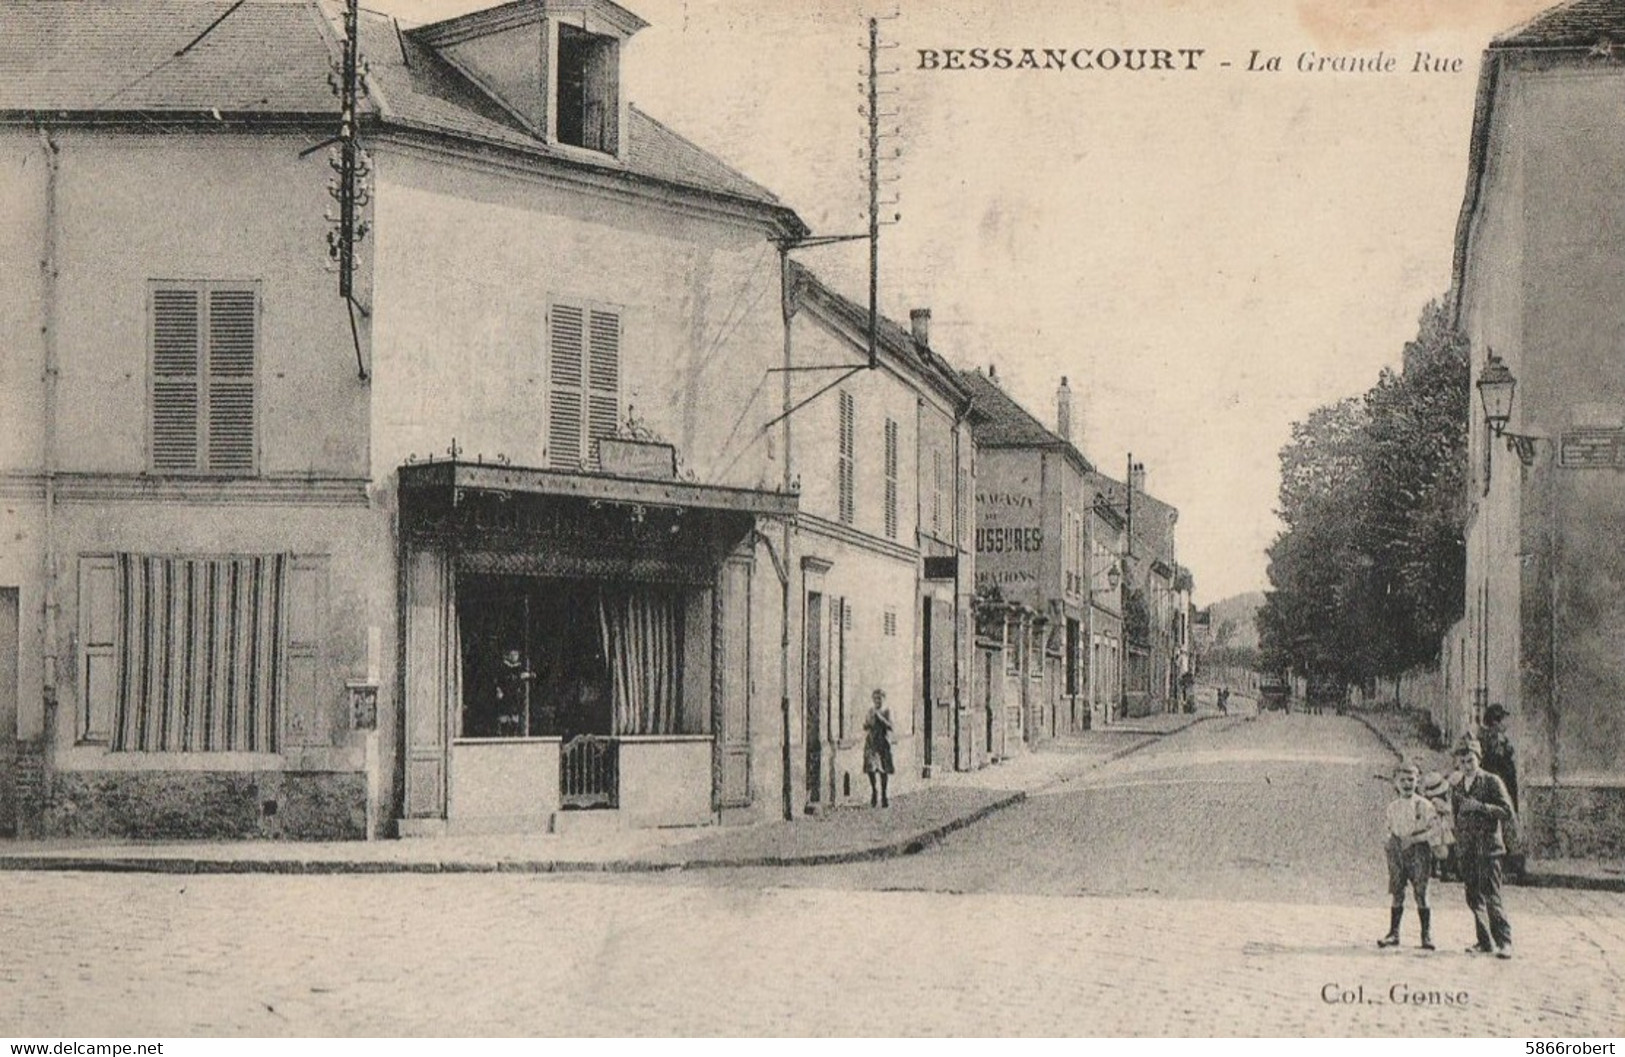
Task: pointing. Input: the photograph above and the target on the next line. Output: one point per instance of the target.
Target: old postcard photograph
(855, 518)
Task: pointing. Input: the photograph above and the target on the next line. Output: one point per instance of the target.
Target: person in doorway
(1482, 807)
(1501, 760)
(877, 757)
(512, 693)
(1411, 823)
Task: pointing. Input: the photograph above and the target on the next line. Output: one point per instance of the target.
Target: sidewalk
(915, 821)
(1403, 734)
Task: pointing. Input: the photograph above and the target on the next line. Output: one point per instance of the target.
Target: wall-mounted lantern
(1496, 388)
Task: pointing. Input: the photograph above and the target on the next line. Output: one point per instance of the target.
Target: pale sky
(1207, 255)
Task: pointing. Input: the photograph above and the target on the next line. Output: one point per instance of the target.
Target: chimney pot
(919, 321)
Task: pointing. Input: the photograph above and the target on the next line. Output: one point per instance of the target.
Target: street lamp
(1496, 387)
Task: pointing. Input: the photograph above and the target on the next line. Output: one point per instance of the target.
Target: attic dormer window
(586, 90)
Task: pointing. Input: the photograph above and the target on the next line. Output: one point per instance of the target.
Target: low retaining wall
(1574, 822)
(207, 805)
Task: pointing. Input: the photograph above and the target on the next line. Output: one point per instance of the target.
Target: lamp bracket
(1521, 444)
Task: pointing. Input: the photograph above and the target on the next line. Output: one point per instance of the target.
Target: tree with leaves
(1368, 571)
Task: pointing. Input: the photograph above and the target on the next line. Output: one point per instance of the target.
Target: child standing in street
(1436, 787)
(1411, 821)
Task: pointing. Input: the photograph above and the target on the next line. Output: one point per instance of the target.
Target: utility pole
(351, 168)
(874, 185)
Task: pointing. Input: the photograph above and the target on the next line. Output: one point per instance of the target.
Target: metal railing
(589, 772)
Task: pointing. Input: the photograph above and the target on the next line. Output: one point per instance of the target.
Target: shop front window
(547, 658)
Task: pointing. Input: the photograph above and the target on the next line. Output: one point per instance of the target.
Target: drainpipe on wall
(962, 755)
(48, 273)
(787, 758)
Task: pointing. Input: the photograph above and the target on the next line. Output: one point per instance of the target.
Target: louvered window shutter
(566, 389)
(891, 479)
(848, 451)
(232, 319)
(603, 378)
(176, 379)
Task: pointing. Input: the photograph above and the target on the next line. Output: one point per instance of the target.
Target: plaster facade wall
(136, 208)
(877, 396)
(876, 649)
(119, 212)
(879, 574)
(1546, 579)
(468, 259)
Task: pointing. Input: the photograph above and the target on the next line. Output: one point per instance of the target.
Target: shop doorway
(533, 661)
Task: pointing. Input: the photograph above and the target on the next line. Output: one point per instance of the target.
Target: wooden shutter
(566, 388)
(99, 621)
(603, 378)
(730, 675)
(233, 315)
(936, 492)
(176, 378)
(308, 712)
(848, 429)
(891, 479)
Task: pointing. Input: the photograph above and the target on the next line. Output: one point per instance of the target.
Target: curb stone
(912, 844)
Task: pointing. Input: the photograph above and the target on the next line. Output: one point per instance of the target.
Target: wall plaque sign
(1592, 448)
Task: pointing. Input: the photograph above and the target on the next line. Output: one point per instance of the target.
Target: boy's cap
(1467, 745)
(1495, 713)
(1434, 784)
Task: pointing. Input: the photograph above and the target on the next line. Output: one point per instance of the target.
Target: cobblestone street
(1227, 880)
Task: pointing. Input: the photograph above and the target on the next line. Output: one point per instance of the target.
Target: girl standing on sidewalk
(877, 738)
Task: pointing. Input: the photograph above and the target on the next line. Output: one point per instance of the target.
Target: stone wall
(207, 805)
(1574, 822)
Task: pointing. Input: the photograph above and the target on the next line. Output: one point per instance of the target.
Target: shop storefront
(574, 643)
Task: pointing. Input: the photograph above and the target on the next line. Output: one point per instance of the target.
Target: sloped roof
(419, 89)
(269, 56)
(1574, 29)
(1580, 24)
(267, 59)
(998, 421)
(891, 337)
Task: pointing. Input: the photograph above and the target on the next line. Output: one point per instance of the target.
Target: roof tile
(275, 57)
(1579, 24)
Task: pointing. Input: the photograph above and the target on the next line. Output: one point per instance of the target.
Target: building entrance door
(813, 667)
(927, 687)
(8, 711)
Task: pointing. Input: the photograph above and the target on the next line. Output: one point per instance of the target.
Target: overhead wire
(210, 28)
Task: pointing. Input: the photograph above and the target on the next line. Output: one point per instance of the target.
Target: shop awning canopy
(511, 520)
(451, 477)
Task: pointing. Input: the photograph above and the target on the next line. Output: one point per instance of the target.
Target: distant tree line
(1370, 568)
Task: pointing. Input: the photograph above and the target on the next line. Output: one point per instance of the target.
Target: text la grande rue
(1378, 62)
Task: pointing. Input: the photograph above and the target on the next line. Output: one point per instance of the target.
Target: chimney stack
(1063, 411)
(992, 373)
(919, 321)
(1136, 478)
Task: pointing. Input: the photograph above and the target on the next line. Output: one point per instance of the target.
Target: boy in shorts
(1411, 821)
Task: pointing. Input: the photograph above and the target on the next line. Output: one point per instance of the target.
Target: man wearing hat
(1500, 760)
(1482, 807)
